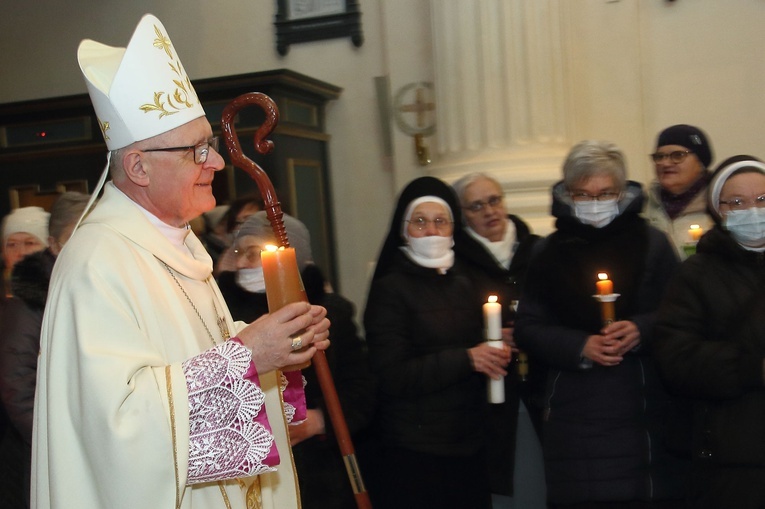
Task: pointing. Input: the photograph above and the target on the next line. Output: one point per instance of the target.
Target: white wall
(632, 68)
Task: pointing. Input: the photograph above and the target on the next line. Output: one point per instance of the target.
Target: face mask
(747, 226)
(251, 280)
(432, 247)
(597, 213)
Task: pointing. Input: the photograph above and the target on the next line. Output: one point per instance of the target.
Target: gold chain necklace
(224, 332)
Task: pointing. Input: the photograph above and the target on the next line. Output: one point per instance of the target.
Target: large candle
(283, 282)
(492, 320)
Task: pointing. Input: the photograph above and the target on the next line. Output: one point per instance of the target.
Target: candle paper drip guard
(275, 216)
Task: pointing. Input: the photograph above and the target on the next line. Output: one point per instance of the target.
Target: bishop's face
(178, 188)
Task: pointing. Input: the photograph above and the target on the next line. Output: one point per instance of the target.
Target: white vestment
(111, 429)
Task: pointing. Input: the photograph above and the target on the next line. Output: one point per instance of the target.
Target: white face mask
(251, 280)
(747, 226)
(432, 247)
(597, 213)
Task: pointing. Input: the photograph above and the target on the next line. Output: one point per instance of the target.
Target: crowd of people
(141, 366)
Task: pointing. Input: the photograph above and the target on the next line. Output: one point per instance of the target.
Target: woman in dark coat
(498, 248)
(711, 341)
(20, 347)
(324, 483)
(603, 435)
(424, 330)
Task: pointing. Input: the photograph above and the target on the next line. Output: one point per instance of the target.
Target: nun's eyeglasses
(440, 223)
(677, 157)
(741, 204)
(201, 150)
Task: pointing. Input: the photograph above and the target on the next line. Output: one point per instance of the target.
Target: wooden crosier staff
(275, 216)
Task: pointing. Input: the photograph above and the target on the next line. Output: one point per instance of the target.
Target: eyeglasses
(677, 157)
(201, 150)
(440, 223)
(251, 253)
(741, 204)
(609, 195)
(478, 205)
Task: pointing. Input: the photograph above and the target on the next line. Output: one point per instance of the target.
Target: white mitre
(139, 91)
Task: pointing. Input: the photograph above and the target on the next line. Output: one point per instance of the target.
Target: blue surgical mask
(747, 226)
(597, 213)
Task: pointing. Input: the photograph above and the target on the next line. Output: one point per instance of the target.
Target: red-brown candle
(283, 282)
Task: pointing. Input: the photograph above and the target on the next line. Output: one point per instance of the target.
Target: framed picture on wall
(311, 20)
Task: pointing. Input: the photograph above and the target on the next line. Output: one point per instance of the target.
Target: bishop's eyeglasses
(201, 150)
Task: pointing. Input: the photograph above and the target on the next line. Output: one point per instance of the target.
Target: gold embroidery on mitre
(104, 127)
(162, 42)
(183, 96)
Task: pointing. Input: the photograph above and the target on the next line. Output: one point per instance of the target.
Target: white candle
(492, 318)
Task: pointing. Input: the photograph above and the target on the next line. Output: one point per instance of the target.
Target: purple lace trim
(293, 394)
(229, 434)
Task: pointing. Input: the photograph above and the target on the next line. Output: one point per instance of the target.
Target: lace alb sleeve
(229, 433)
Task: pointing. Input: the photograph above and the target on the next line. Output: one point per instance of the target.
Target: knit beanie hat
(32, 220)
(689, 137)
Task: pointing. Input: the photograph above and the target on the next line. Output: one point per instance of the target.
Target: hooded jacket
(603, 432)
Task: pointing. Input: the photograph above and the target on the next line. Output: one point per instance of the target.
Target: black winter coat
(419, 325)
(506, 284)
(710, 347)
(21, 321)
(603, 437)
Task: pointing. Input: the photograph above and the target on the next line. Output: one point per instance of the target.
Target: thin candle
(492, 320)
(607, 297)
(604, 285)
(695, 231)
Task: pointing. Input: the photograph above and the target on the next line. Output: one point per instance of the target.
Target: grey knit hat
(259, 226)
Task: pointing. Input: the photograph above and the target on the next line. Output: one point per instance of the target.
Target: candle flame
(492, 298)
(271, 247)
(695, 227)
(602, 276)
